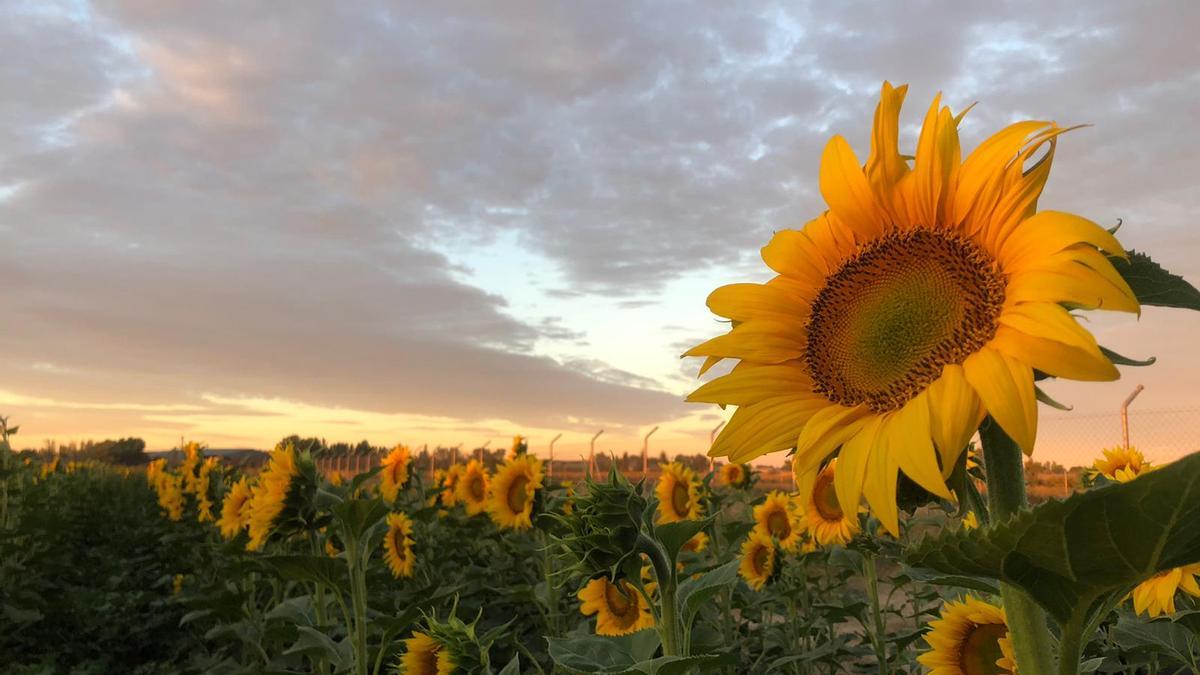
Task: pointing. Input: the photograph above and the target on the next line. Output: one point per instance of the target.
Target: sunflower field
(916, 315)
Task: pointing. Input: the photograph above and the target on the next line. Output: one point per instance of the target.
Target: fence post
(1125, 415)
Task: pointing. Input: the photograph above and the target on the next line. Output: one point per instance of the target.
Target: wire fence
(1074, 439)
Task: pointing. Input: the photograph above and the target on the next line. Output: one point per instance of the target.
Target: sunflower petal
(1055, 358)
(846, 190)
(745, 302)
(1005, 386)
(911, 440)
(886, 166)
(880, 484)
(1048, 232)
(750, 384)
(826, 430)
(954, 414)
(1049, 321)
(761, 341)
(936, 161)
(767, 426)
(979, 176)
(852, 464)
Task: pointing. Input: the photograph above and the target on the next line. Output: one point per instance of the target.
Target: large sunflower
(1156, 595)
(678, 493)
(827, 521)
(510, 500)
(398, 545)
(269, 495)
(619, 608)
(758, 559)
(395, 472)
(970, 638)
(232, 517)
(776, 517)
(921, 301)
(472, 487)
(1121, 464)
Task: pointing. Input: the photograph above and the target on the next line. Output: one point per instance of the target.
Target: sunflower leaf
(1153, 285)
(694, 593)
(674, 535)
(1125, 360)
(1073, 556)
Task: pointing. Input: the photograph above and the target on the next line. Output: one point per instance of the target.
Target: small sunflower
(826, 520)
(394, 473)
(568, 497)
(423, 655)
(193, 458)
(512, 492)
(269, 495)
(734, 475)
(1121, 464)
(970, 521)
(696, 544)
(758, 559)
(170, 495)
(472, 488)
(520, 446)
(970, 638)
(1156, 595)
(336, 478)
(776, 517)
(678, 494)
(204, 504)
(923, 299)
(233, 517)
(619, 608)
(177, 584)
(449, 483)
(398, 545)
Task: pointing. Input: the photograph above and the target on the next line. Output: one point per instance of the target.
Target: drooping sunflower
(734, 475)
(423, 655)
(970, 638)
(269, 495)
(776, 517)
(398, 545)
(472, 487)
(1122, 464)
(758, 559)
(394, 474)
(233, 511)
(1156, 595)
(512, 492)
(922, 300)
(824, 516)
(678, 493)
(619, 608)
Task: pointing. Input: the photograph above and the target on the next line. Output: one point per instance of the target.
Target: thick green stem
(358, 600)
(1006, 497)
(664, 571)
(878, 636)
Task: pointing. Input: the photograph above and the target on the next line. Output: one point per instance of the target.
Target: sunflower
(233, 511)
(619, 608)
(1121, 464)
(203, 483)
(826, 520)
(398, 545)
(170, 495)
(336, 478)
(472, 487)
(734, 475)
(448, 480)
(423, 655)
(1156, 595)
(568, 504)
(193, 457)
(776, 517)
(269, 495)
(696, 544)
(758, 559)
(970, 521)
(678, 494)
(970, 638)
(520, 446)
(395, 472)
(513, 488)
(922, 300)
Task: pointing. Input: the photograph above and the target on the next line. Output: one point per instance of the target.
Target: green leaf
(1075, 556)
(317, 645)
(1153, 285)
(956, 580)
(673, 536)
(615, 656)
(1162, 637)
(310, 568)
(693, 593)
(513, 667)
(1125, 360)
(356, 516)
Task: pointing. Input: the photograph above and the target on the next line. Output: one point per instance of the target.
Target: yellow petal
(828, 429)
(750, 384)
(909, 431)
(886, 166)
(1048, 321)
(880, 484)
(768, 426)
(709, 363)
(762, 341)
(936, 159)
(1073, 284)
(1055, 358)
(793, 253)
(1048, 232)
(745, 302)
(846, 190)
(981, 174)
(852, 464)
(954, 413)
(1005, 386)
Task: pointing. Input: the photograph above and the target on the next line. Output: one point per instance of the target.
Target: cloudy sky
(449, 222)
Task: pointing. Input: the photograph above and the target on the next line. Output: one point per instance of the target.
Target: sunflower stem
(664, 572)
(1006, 497)
(877, 633)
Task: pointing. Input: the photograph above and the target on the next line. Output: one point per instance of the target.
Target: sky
(445, 222)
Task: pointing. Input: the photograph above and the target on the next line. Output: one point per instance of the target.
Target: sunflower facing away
(920, 301)
(269, 495)
(618, 607)
(1122, 464)
(970, 638)
(827, 522)
(758, 559)
(513, 488)
(423, 655)
(472, 488)
(398, 545)
(776, 517)
(395, 472)
(232, 517)
(734, 475)
(678, 493)
(1156, 595)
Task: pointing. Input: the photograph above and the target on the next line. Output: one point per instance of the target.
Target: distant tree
(125, 451)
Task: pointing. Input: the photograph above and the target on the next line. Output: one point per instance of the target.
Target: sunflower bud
(603, 528)
(446, 647)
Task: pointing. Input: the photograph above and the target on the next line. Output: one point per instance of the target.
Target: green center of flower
(825, 498)
(680, 499)
(981, 650)
(893, 315)
(517, 494)
(778, 525)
